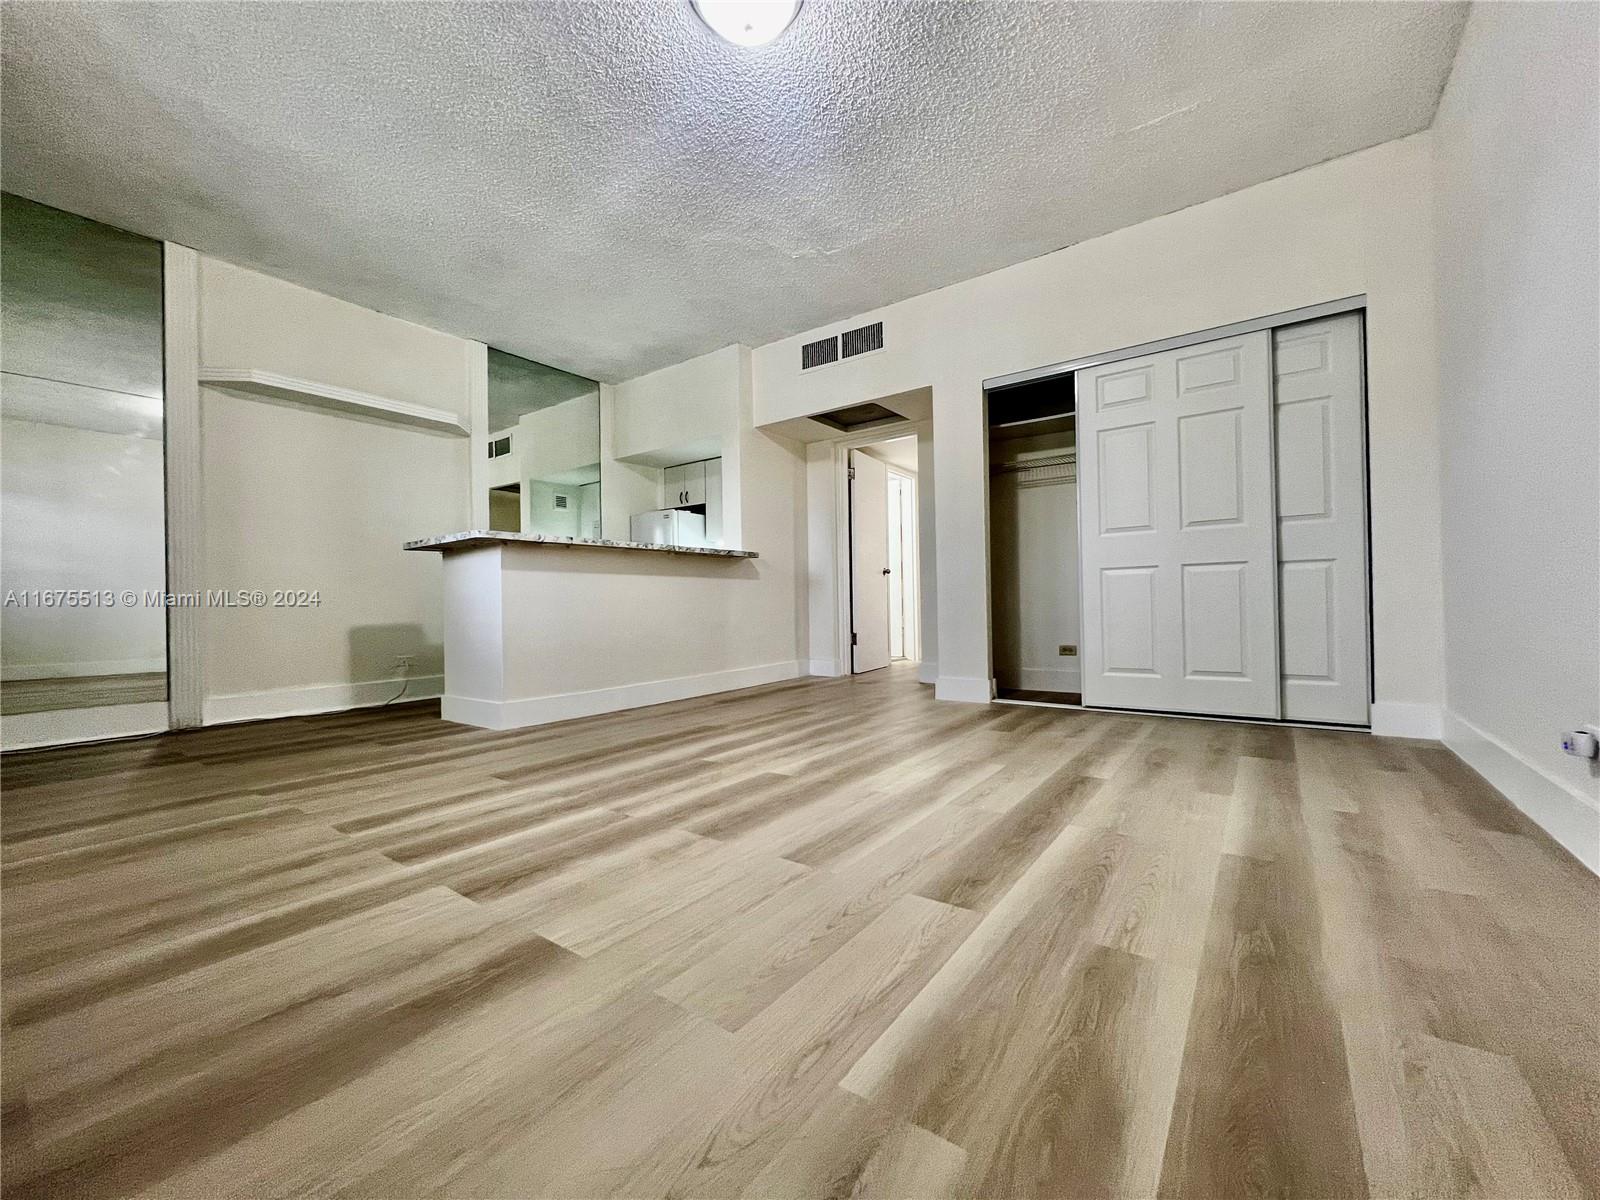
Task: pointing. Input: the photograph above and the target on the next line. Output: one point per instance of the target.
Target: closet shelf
(337, 399)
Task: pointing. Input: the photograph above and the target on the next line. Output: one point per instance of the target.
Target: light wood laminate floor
(819, 939)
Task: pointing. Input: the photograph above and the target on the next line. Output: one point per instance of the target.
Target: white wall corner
(1562, 811)
(1391, 718)
(928, 672)
(828, 668)
(963, 689)
(323, 698)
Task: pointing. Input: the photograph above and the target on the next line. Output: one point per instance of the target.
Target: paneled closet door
(1178, 528)
(1322, 520)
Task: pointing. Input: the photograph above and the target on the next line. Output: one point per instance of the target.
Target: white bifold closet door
(1178, 530)
(1322, 520)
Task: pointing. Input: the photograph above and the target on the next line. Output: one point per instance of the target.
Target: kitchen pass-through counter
(535, 633)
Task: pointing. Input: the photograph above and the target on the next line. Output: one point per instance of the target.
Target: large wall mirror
(544, 449)
(83, 560)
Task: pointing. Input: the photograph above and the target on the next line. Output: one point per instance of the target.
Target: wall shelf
(337, 399)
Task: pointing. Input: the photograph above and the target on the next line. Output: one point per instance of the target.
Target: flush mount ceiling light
(747, 22)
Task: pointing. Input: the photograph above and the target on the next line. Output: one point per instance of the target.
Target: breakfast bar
(523, 613)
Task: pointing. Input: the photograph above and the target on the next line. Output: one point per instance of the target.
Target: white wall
(83, 509)
(248, 319)
(680, 413)
(1359, 224)
(1516, 203)
(305, 499)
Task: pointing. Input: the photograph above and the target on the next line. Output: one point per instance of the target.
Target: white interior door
(869, 563)
(1179, 531)
(1322, 520)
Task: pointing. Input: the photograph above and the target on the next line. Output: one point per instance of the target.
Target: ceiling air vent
(820, 353)
(561, 500)
(859, 341)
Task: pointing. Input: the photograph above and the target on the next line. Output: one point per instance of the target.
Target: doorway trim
(838, 458)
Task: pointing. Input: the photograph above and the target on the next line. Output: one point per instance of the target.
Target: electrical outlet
(402, 662)
(1067, 651)
(1583, 742)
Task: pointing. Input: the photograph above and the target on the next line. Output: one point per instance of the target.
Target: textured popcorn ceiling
(609, 188)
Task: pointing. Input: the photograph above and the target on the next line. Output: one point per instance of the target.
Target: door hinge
(853, 641)
(852, 474)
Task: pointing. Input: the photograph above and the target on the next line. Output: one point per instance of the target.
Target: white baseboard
(1562, 811)
(65, 726)
(1393, 719)
(928, 672)
(828, 668)
(542, 710)
(77, 670)
(964, 689)
(327, 697)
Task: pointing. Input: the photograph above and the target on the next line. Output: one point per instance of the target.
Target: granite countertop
(472, 538)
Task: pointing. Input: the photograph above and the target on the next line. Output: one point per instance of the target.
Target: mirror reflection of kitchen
(544, 449)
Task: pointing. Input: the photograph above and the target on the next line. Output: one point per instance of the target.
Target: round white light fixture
(747, 22)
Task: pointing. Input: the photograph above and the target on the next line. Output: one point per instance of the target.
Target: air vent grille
(860, 341)
(561, 500)
(819, 353)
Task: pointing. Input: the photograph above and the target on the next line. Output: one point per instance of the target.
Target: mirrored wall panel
(83, 561)
(544, 449)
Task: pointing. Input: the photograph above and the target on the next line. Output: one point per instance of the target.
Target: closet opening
(1033, 530)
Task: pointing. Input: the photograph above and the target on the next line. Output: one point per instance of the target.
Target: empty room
(756, 598)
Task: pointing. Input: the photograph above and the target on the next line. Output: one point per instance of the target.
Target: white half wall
(1356, 225)
(535, 634)
(1516, 195)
